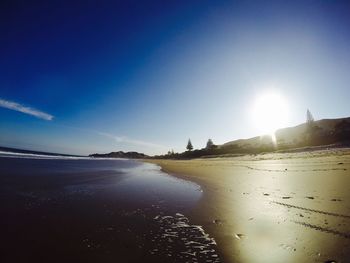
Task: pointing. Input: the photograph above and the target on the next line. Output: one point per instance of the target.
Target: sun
(270, 112)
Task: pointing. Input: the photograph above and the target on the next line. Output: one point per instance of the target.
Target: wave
(43, 156)
(39, 156)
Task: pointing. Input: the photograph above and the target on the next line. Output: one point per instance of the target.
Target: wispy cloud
(24, 109)
(126, 140)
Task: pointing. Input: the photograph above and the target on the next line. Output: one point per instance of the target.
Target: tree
(189, 146)
(309, 123)
(210, 144)
(309, 118)
(313, 134)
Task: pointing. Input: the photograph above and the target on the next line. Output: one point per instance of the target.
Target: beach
(275, 207)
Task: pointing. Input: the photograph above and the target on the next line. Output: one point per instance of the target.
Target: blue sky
(100, 76)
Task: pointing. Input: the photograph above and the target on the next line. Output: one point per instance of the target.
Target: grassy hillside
(322, 132)
(334, 132)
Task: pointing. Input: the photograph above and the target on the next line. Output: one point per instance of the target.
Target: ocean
(81, 209)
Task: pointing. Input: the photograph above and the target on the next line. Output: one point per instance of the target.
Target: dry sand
(290, 207)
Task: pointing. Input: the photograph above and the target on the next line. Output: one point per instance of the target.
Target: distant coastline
(120, 154)
(321, 134)
(313, 136)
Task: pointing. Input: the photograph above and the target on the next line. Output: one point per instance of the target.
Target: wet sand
(282, 207)
(97, 211)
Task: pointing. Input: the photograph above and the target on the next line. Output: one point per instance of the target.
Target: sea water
(104, 210)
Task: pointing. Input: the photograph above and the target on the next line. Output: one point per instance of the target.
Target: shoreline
(84, 211)
(290, 207)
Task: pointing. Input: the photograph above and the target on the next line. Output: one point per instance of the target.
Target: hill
(323, 132)
(120, 154)
(331, 132)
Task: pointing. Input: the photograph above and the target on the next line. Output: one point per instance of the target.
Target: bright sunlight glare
(270, 112)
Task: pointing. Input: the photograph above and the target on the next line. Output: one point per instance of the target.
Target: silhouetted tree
(314, 134)
(309, 118)
(309, 125)
(210, 144)
(189, 146)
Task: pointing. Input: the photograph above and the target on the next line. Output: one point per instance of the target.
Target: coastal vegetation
(189, 146)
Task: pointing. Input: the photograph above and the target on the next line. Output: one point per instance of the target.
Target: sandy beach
(279, 207)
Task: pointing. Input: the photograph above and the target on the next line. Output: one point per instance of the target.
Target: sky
(81, 77)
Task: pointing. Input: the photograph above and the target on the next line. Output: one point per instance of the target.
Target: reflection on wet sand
(97, 211)
(274, 208)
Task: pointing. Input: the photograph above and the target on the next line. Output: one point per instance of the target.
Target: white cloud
(24, 109)
(126, 140)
